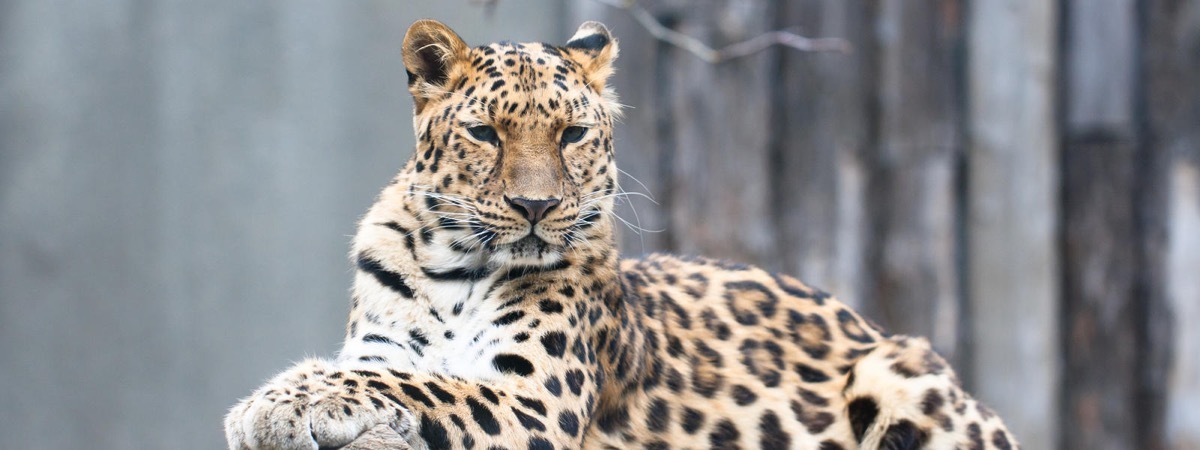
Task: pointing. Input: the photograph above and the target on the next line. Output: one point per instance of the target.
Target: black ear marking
(592, 42)
(594, 49)
(591, 37)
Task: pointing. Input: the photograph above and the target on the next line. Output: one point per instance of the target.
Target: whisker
(639, 182)
(636, 228)
(619, 195)
(464, 239)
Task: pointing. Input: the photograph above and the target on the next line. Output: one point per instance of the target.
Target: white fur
(476, 340)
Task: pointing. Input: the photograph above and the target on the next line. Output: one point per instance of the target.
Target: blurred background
(1018, 180)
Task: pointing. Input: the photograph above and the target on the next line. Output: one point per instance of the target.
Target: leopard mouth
(530, 248)
(531, 245)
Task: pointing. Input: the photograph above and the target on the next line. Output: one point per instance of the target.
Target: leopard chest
(456, 329)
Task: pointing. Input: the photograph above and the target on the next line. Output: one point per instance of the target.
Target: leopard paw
(310, 407)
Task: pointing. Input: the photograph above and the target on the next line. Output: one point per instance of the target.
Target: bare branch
(748, 47)
(787, 39)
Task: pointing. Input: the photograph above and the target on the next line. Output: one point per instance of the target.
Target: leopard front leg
(315, 405)
(311, 406)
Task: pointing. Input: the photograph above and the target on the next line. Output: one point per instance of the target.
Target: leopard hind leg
(902, 395)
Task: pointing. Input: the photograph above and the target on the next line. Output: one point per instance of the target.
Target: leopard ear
(593, 47)
(430, 50)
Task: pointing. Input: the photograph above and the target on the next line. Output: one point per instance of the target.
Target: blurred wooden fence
(1017, 180)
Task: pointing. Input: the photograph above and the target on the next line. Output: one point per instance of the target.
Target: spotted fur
(490, 309)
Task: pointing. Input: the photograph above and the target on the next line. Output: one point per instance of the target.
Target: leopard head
(514, 157)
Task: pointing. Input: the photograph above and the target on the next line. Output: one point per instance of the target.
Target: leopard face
(514, 156)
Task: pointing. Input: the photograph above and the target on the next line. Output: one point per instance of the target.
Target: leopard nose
(533, 210)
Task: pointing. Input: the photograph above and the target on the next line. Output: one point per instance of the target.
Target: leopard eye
(573, 134)
(484, 133)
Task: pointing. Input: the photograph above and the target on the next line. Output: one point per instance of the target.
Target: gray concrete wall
(178, 184)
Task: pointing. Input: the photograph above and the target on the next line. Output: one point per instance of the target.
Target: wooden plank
(1182, 421)
(820, 140)
(719, 136)
(1170, 388)
(1117, 323)
(1012, 209)
(911, 257)
(1099, 38)
(1100, 314)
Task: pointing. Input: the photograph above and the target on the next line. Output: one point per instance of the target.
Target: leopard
(491, 308)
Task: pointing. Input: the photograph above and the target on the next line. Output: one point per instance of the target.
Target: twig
(748, 47)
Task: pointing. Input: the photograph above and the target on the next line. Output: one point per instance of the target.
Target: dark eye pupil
(573, 134)
(483, 133)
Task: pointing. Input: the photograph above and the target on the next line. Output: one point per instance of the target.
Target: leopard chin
(530, 250)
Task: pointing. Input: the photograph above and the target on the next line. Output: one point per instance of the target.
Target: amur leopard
(490, 309)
